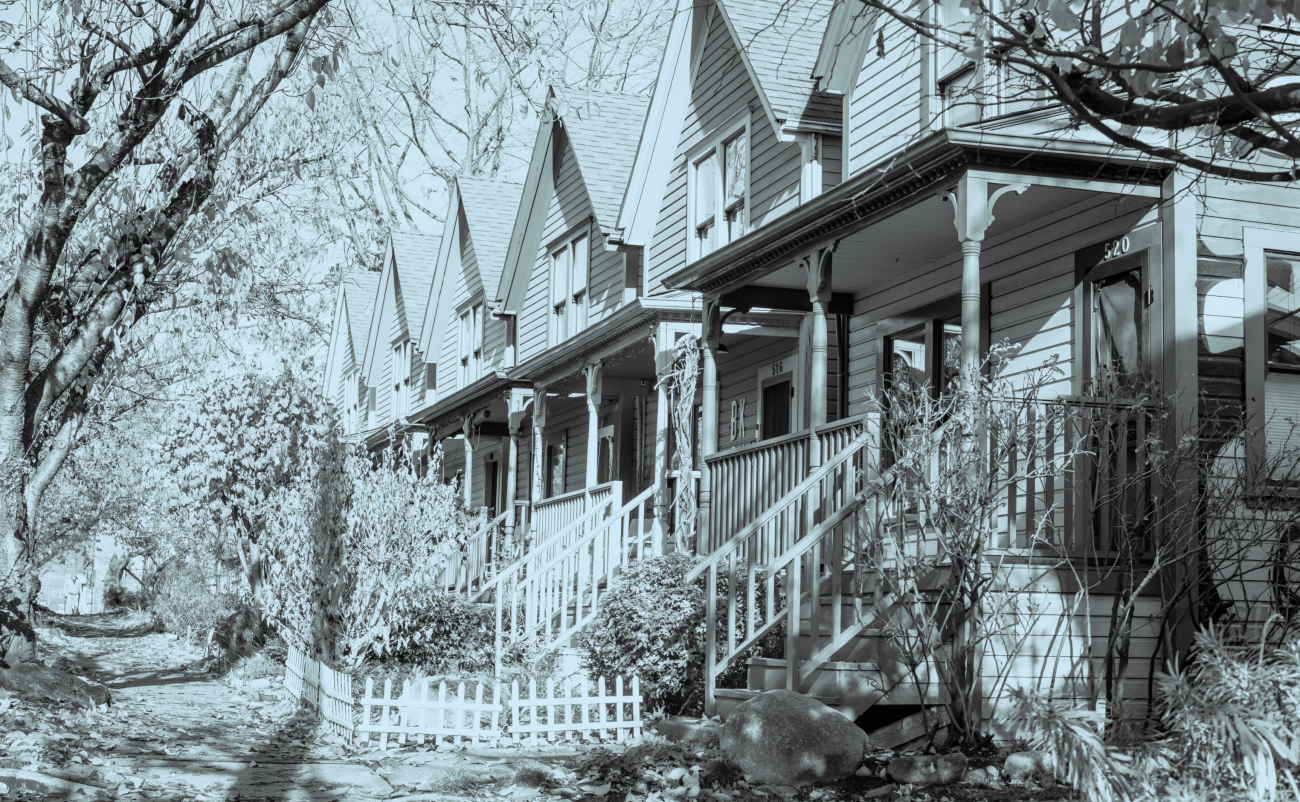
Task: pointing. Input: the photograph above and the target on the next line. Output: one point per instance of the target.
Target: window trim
(403, 352)
(1257, 242)
(558, 439)
(711, 146)
(352, 401)
(558, 245)
(775, 373)
(470, 318)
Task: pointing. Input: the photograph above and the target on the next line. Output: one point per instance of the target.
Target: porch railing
(555, 590)
(554, 515)
(748, 479)
(480, 557)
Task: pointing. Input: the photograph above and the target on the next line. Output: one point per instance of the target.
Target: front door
(776, 409)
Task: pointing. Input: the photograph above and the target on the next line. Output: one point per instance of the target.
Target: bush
(652, 624)
(184, 602)
(118, 598)
(442, 632)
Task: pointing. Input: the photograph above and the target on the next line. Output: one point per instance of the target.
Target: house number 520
(1116, 248)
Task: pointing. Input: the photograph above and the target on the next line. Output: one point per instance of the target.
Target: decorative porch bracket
(972, 216)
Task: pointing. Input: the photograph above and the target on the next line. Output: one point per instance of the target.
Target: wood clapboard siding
(567, 418)
(738, 378)
(453, 456)
(832, 161)
(884, 108)
(722, 89)
(1039, 254)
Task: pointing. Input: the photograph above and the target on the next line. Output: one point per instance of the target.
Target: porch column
(539, 445)
(972, 215)
(595, 375)
(819, 293)
(663, 364)
(515, 422)
(970, 311)
(709, 422)
(467, 424)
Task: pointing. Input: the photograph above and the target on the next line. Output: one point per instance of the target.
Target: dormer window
(352, 391)
(719, 190)
(470, 344)
(569, 287)
(402, 353)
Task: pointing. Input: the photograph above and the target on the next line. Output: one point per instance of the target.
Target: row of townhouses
(825, 216)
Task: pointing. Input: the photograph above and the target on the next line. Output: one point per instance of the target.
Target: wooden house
(830, 218)
(345, 383)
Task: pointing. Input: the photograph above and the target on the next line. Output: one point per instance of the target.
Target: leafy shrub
(118, 598)
(652, 624)
(183, 601)
(439, 631)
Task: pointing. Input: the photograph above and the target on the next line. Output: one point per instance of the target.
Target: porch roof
(901, 182)
(630, 324)
(469, 400)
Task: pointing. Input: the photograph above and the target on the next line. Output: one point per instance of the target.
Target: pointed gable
(359, 290)
(414, 258)
(489, 208)
(605, 131)
(780, 41)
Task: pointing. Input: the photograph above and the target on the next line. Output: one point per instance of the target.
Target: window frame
(469, 342)
(556, 440)
(774, 373)
(713, 146)
(565, 325)
(351, 401)
(403, 353)
(1257, 244)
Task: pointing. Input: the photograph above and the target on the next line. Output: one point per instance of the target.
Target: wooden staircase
(819, 544)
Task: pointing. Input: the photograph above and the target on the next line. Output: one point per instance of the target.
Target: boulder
(787, 738)
(928, 769)
(39, 682)
(686, 730)
(1030, 765)
(984, 777)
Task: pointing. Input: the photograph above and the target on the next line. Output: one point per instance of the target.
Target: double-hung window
(568, 277)
(402, 379)
(470, 344)
(352, 402)
(719, 191)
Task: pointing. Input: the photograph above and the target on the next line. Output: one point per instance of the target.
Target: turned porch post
(709, 421)
(539, 445)
(515, 422)
(467, 425)
(595, 375)
(972, 215)
(663, 364)
(819, 293)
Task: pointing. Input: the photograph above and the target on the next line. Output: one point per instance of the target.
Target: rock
(38, 682)
(787, 738)
(1030, 765)
(686, 730)
(984, 777)
(863, 771)
(928, 769)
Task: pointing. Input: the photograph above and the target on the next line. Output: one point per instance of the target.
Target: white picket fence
(576, 712)
(421, 714)
(322, 688)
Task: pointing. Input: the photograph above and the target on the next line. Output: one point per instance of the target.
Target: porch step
(729, 699)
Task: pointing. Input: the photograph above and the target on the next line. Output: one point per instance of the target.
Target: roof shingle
(416, 256)
(781, 39)
(605, 130)
(359, 290)
(490, 208)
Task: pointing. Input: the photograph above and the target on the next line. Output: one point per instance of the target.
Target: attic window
(718, 196)
(402, 379)
(569, 262)
(471, 344)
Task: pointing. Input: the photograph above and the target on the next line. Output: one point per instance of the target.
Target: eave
(896, 182)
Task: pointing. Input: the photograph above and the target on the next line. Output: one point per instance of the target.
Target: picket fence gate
(576, 712)
(415, 714)
(322, 688)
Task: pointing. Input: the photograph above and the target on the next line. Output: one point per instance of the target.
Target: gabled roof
(780, 41)
(605, 130)
(408, 264)
(490, 207)
(350, 326)
(605, 133)
(844, 47)
(359, 290)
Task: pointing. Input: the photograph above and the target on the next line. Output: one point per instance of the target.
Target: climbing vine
(681, 381)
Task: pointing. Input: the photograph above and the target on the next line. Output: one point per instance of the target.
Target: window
(962, 95)
(1282, 329)
(555, 466)
(352, 403)
(401, 379)
(926, 358)
(371, 405)
(470, 344)
(719, 191)
(569, 288)
(606, 453)
(430, 382)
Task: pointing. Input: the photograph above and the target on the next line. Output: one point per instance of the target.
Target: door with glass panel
(924, 365)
